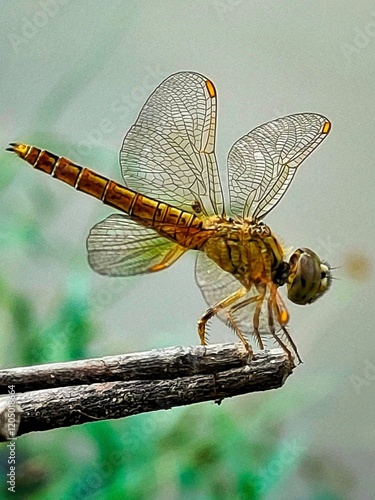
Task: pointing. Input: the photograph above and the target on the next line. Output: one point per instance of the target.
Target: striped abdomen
(171, 222)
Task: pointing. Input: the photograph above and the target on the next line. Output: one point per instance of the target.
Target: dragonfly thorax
(247, 249)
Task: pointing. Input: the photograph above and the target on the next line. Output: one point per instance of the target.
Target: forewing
(262, 164)
(169, 153)
(118, 246)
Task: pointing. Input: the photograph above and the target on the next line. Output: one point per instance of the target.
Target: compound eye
(309, 277)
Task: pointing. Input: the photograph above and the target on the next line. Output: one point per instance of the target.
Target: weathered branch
(71, 393)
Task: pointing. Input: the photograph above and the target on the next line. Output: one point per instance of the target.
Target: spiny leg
(215, 309)
(238, 332)
(290, 340)
(257, 312)
(233, 324)
(279, 306)
(271, 326)
(283, 317)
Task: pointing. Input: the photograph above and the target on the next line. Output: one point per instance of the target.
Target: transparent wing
(215, 284)
(118, 246)
(169, 153)
(262, 164)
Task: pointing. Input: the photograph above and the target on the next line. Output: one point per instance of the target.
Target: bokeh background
(74, 76)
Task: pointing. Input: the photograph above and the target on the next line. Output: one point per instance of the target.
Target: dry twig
(63, 394)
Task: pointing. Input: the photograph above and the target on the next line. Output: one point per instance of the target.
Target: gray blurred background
(74, 76)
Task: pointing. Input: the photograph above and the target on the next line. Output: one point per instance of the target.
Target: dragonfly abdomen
(169, 221)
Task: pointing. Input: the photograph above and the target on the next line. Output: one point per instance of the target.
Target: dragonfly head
(309, 277)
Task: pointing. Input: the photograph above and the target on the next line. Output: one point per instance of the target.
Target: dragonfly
(172, 201)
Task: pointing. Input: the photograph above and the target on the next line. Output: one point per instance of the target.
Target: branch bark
(64, 394)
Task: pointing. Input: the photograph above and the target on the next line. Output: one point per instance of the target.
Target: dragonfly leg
(238, 332)
(223, 304)
(257, 298)
(170, 258)
(290, 340)
(256, 317)
(283, 316)
(271, 326)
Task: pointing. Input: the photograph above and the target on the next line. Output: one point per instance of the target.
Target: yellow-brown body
(245, 248)
(178, 225)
